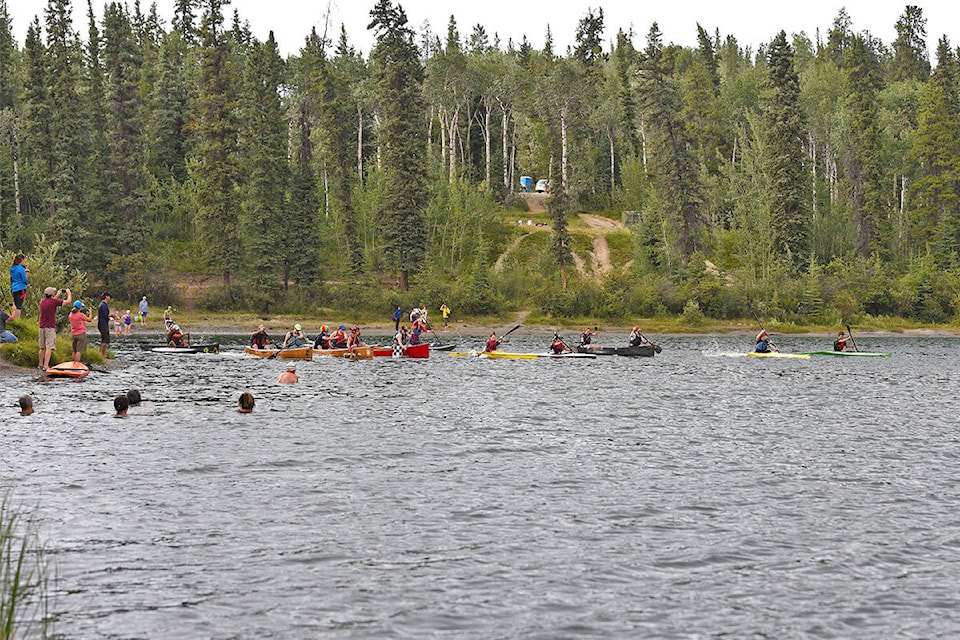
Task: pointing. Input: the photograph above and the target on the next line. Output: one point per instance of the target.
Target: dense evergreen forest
(816, 179)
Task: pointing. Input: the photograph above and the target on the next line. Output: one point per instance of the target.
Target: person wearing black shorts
(103, 323)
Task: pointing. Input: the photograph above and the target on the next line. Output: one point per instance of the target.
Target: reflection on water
(687, 495)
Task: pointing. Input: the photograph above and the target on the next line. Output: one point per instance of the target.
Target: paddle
(852, 341)
(655, 346)
(500, 339)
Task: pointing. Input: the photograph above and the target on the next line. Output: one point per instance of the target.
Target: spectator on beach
(79, 318)
(103, 322)
(144, 306)
(48, 324)
(18, 284)
(5, 334)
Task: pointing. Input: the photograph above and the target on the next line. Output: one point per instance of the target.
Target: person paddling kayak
(841, 342)
(559, 346)
(763, 343)
(493, 342)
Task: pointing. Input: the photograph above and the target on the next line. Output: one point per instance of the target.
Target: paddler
(841, 342)
(259, 338)
(175, 337)
(322, 341)
(637, 338)
(587, 336)
(763, 343)
(559, 346)
(339, 339)
(493, 342)
(294, 338)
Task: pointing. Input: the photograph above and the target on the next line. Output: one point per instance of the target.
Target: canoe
(412, 351)
(777, 354)
(504, 355)
(848, 354)
(643, 350)
(260, 353)
(363, 353)
(213, 347)
(68, 370)
(298, 353)
(436, 346)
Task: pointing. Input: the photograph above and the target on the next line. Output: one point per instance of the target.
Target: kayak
(436, 346)
(412, 351)
(195, 348)
(504, 355)
(68, 370)
(777, 354)
(848, 354)
(643, 350)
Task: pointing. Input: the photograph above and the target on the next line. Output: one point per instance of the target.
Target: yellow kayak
(777, 354)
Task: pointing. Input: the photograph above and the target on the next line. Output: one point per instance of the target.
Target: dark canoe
(213, 347)
(644, 350)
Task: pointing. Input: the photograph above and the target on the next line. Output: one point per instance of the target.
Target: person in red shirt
(48, 324)
(78, 328)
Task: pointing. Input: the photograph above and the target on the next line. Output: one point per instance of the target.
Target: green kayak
(848, 354)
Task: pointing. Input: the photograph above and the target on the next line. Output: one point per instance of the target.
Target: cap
(176, 327)
(77, 304)
(342, 327)
(49, 291)
(297, 327)
(144, 297)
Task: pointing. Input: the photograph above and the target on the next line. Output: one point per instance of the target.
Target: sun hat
(49, 291)
(77, 304)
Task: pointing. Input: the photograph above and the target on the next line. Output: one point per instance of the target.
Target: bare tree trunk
(15, 154)
(813, 154)
(488, 122)
(563, 151)
(359, 143)
(505, 120)
(643, 142)
(452, 138)
(613, 167)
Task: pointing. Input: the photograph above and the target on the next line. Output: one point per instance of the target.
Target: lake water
(689, 495)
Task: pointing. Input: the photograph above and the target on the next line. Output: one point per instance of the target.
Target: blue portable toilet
(525, 183)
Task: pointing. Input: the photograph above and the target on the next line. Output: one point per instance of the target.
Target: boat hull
(261, 353)
(300, 353)
(68, 370)
(362, 353)
(777, 354)
(643, 351)
(848, 354)
(197, 348)
(412, 351)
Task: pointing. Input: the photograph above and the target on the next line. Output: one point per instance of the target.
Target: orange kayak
(68, 370)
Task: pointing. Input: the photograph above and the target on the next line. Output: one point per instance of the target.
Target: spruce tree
(398, 77)
(785, 154)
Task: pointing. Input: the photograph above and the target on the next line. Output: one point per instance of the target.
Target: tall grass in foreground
(25, 575)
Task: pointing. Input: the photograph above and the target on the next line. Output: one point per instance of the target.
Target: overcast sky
(751, 21)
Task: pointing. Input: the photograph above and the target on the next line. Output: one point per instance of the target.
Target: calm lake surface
(689, 495)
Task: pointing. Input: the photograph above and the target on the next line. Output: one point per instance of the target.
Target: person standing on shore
(445, 312)
(396, 318)
(48, 324)
(78, 329)
(103, 323)
(144, 306)
(18, 285)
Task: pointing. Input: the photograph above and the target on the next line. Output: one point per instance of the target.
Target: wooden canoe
(363, 353)
(261, 353)
(299, 353)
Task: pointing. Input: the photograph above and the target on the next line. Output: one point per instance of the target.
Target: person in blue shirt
(763, 343)
(396, 318)
(18, 285)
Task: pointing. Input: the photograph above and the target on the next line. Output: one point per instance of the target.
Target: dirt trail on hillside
(600, 256)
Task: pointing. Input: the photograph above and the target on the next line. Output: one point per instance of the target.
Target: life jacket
(492, 344)
(260, 340)
(838, 345)
(585, 337)
(339, 340)
(558, 346)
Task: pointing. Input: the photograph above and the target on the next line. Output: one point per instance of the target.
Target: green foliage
(692, 316)
(27, 575)
(137, 275)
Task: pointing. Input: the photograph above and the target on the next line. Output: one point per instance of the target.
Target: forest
(816, 179)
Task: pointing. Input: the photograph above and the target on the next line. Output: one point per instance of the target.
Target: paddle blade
(657, 348)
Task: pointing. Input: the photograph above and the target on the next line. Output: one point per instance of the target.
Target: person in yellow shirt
(445, 311)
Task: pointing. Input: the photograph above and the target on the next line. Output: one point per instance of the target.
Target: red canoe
(421, 350)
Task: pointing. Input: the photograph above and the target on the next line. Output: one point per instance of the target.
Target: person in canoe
(841, 342)
(763, 343)
(339, 338)
(322, 341)
(175, 337)
(587, 336)
(559, 346)
(353, 340)
(295, 338)
(637, 338)
(493, 342)
(259, 338)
